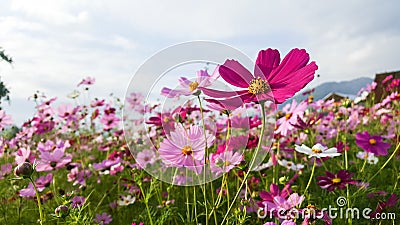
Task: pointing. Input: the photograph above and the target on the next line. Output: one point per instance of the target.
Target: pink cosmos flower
(292, 113)
(106, 164)
(185, 148)
(373, 144)
(53, 160)
(78, 177)
(279, 205)
(224, 162)
(5, 170)
(24, 154)
(41, 183)
(77, 201)
(109, 121)
(87, 81)
(103, 218)
(97, 102)
(145, 157)
(135, 101)
(5, 120)
(188, 87)
(271, 77)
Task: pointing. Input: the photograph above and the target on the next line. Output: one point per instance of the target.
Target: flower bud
(61, 211)
(24, 170)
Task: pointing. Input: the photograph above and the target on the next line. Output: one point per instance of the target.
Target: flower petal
(267, 60)
(235, 73)
(221, 94)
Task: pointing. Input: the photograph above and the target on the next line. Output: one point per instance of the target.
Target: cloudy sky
(56, 43)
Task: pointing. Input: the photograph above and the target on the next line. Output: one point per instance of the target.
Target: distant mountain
(344, 88)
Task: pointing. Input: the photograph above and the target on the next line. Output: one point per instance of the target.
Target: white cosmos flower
(317, 150)
(126, 200)
(263, 166)
(370, 157)
(290, 165)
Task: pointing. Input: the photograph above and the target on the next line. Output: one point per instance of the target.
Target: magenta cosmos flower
(332, 181)
(185, 148)
(372, 144)
(271, 77)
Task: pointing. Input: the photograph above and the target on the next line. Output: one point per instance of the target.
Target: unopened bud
(24, 170)
(61, 211)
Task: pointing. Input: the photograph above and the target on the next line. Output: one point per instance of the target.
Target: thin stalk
(205, 161)
(380, 169)
(38, 201)
(146, 201)
(311, 177)
(251, 162)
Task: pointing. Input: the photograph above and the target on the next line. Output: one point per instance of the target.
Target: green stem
(311, 177)
(205, 161)
(146, 200)
(38, 200)
(363, 166)
(251, 162)
(380, 169)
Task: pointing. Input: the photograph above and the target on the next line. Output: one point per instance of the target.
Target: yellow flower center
(336, 180)
(372, 141)
(166, 119)
(227, 163)
(288, 115)
(193, 86)
(310, 209)
(187, 150)
(258, 86)
(314, 150)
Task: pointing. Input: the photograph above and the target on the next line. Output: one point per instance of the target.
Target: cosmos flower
(292, 113)
(372, 144)
(109, 121)
(332, 181)
(5, 119)
(53, 160)
(188, 87)
(370, 157)
(103, 218)
(391, 202)
(185, 148)
(78, 177)
(77, 201)
(290, 165)
(24, 154)
(87, 81)
(271, 77)
(126, 200)
(5, 170)
(135, 101)
(224, 162)
(317, 150)
(41, 183)
(145, 157)
(280, 205)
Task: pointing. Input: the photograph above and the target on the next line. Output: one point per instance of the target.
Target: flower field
(239, 155)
